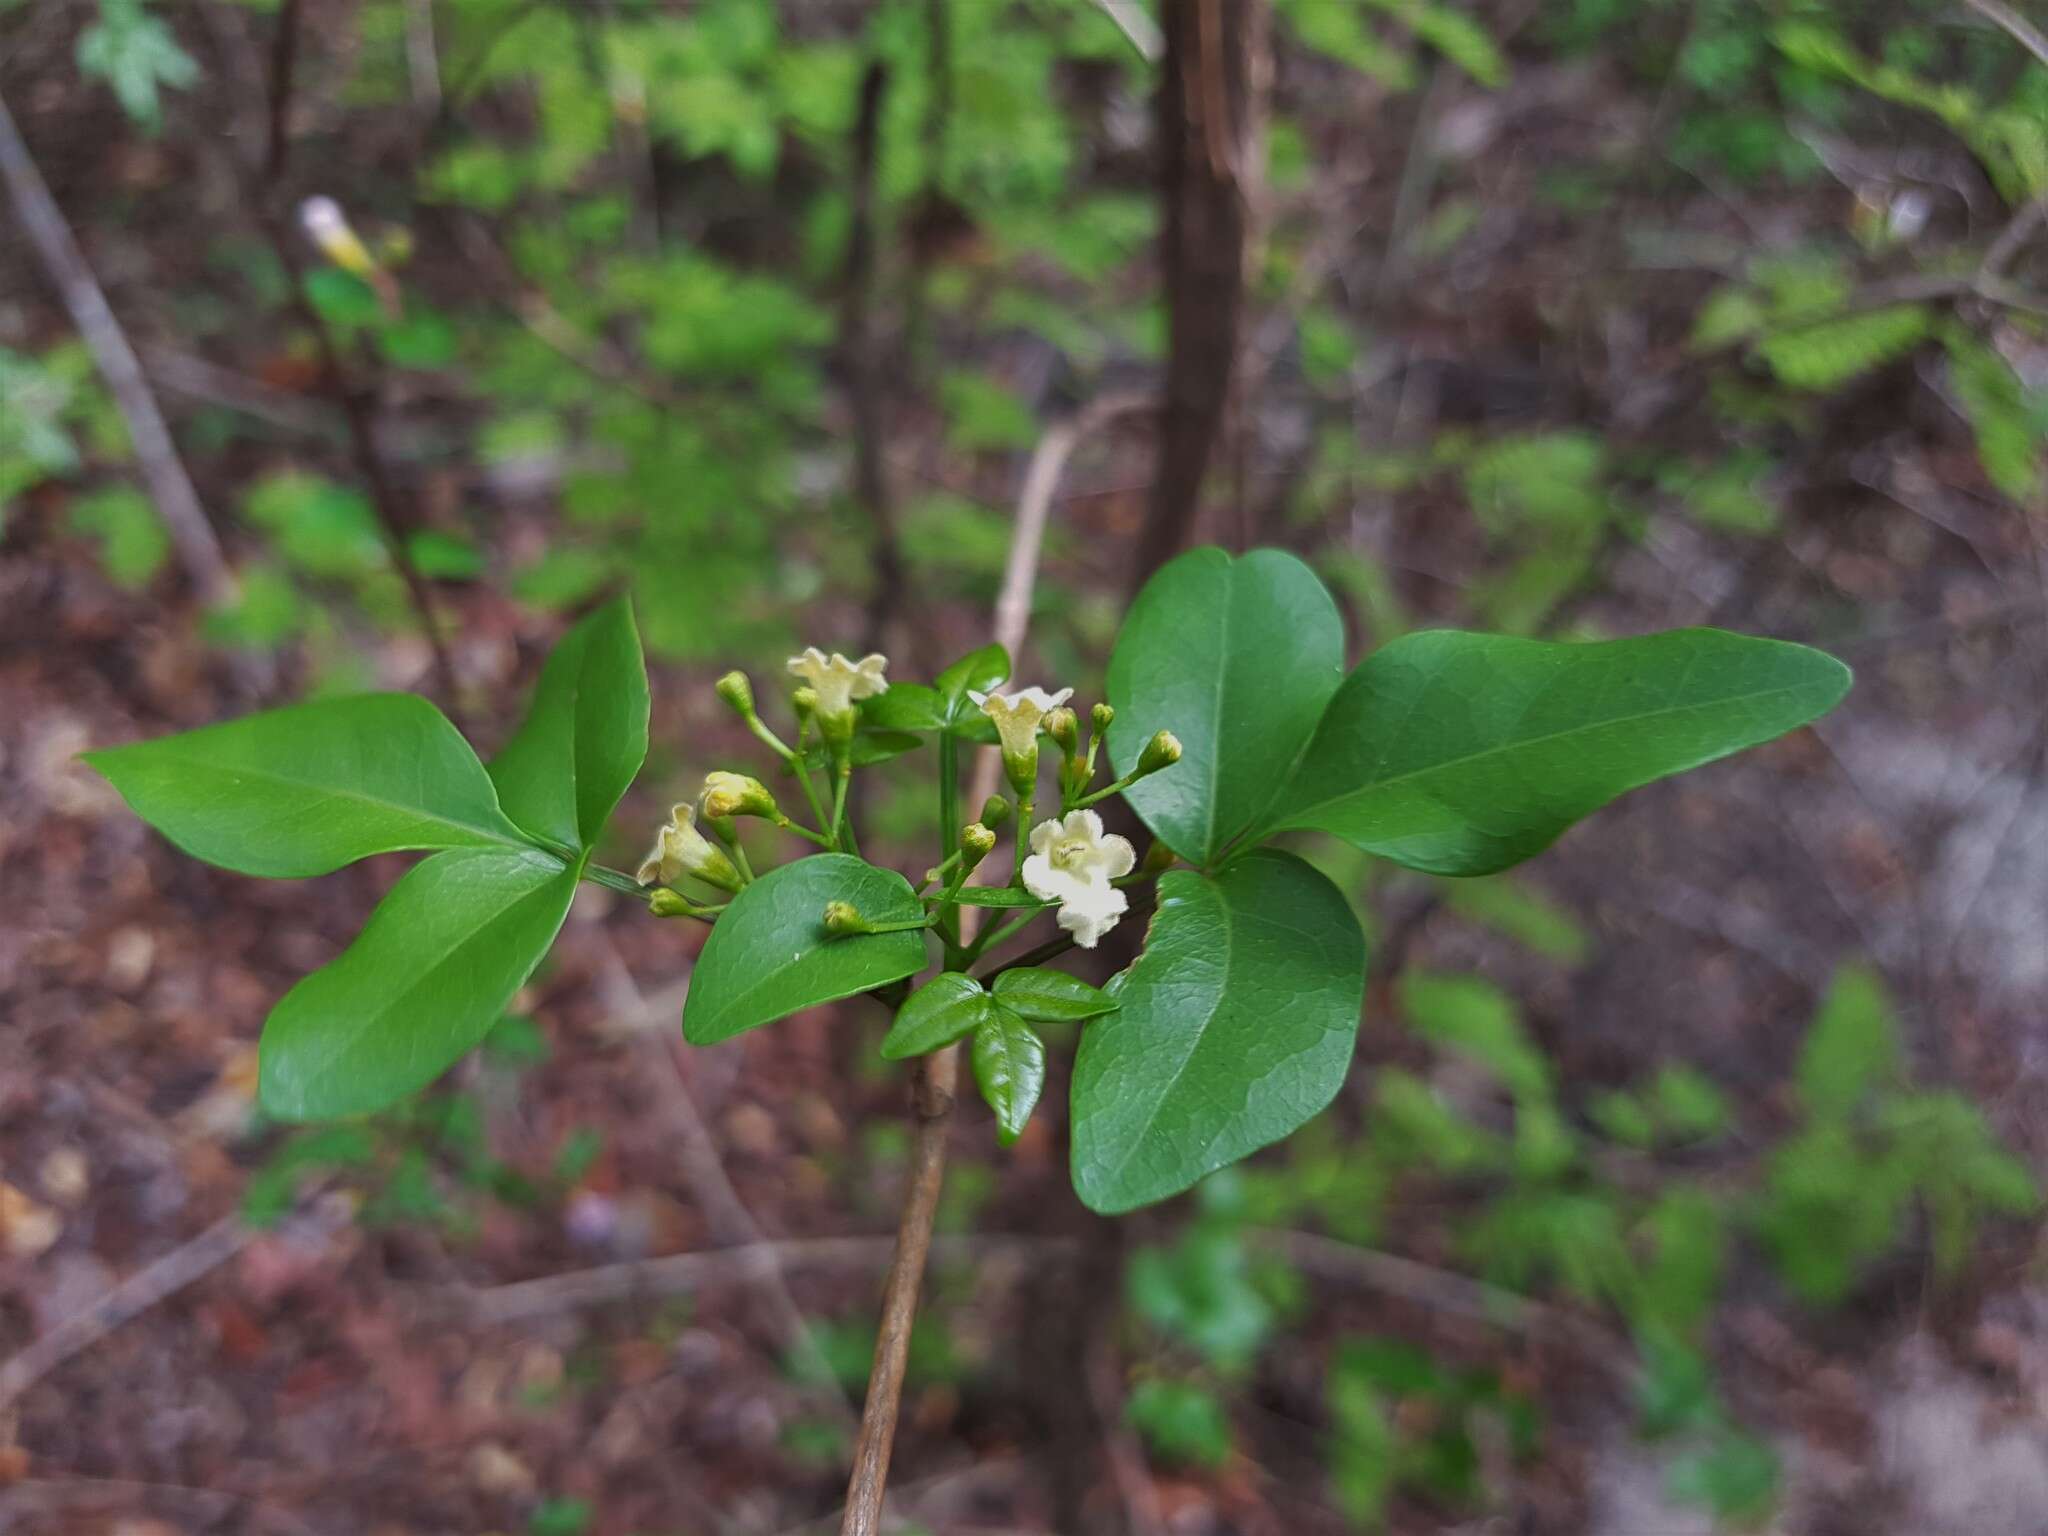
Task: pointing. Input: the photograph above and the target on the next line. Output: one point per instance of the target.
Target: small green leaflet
(302, 791)
(425, 980)
(952, 1006)
(584, 736)
(1050, 997)
(1009, 1067)
(1237, 658)
(769, 955)
(1461, 754)
(1232, 1030)
(949, 1007)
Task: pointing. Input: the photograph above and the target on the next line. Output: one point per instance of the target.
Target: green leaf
(905, 707)
(1234, 1028)
(1050, 997)
(1853, 1046)
(1461, 754)
(951, 1006)
(1828, 355)
(585, 734)
(976, 672)
(1237, 658)
(769, 954)
(997, 896)
(866, 748)
(133, 543)
(1009, 1066)
(425, 980)
(301, 791)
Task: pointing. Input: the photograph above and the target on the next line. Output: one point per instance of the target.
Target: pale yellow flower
(1073, 862)
(837, 681)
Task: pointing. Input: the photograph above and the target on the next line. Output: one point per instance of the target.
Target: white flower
(680, 849)
(1018, 716)
(1072, 863)
(837, 681)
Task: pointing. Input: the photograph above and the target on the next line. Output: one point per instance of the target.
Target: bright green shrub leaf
(1853, 1047)
(1994, 400)
(133, 543)
(1461, 754)
(1009, 1067)
(976, 672)
(1181, 1422)
(425, 981)
(585, 734)
(867, 747)
(996, 896)
(1233, 1029)
(1827, 355)
(949, 1007)
(1473, 1016)
(1237, 658)
(769, 954)
(1050, 997)
(905, 707)
(301, 791)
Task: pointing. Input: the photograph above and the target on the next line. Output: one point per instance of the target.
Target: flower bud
(805, 702)
(995, 810)
(1162, 751)
(1100, 716)
(734, 794)
(1064, 728)
(976, 843)
(843, 919)
(837, 727)
(737, 692)
(664, 902)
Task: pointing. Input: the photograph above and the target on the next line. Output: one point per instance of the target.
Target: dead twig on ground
(2021, 30)
(170, 488)
(184, 1265)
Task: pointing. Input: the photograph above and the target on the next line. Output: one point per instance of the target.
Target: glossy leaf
(1009, 1066)
(1237, 658)
(585, 734)
(976, 672)
(1461, 754)
(301, 791)
(1234, 1028)
(997, 896)
(1050, 997)
(769, 955)
(949, 1007)
(905, 707)
(425, 980)
(866, 748)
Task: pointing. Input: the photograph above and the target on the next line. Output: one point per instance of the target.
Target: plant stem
(802, 831)
(995, 936)
(1050, 949)
(613, 879)
(932, 1085)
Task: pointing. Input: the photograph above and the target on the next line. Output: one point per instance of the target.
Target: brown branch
(2022, 31)
(357, 401)
(284, 53)
(170, 488)
(861, 360)
(1205, 122)
(936, 1077)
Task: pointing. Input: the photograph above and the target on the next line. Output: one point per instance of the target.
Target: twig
(356, 402)
(170, 488)
(680, 1273)
(182, 1266)
(1138, 28)
(2000, 253)
(422, 58)
(933, 1081)
(2022, 31)
(1439, 1290)
(936, 1077)
(284, 54)
(705, 1170)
